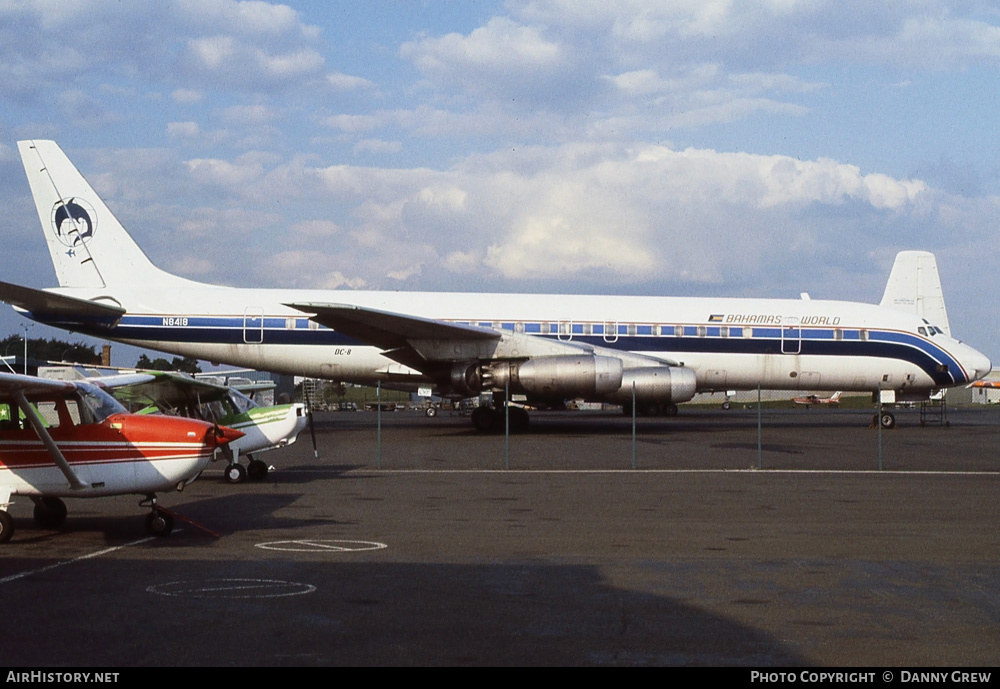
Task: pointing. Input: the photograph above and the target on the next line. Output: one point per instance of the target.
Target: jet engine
(545, 377)
(659, 384)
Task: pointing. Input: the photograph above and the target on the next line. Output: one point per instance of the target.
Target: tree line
(79, 353)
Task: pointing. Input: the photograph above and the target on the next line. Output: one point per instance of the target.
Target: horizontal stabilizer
(58, 308)
(386, 329)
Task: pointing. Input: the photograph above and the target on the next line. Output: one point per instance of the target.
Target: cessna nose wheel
(236, 473)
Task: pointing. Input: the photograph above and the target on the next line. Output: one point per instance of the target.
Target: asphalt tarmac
(423, 543)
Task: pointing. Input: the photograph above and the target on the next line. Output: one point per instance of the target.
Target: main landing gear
(650, 409)
(492, 419)
(49, 513)
(6, 526)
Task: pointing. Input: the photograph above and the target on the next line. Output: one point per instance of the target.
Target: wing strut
(57, 456)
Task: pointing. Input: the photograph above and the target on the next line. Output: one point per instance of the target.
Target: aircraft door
(791, 337)
(253, 325)
(611, 331)
(565, 333)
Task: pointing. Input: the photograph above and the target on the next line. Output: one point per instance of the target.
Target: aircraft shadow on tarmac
(222, 515)
(385, 613)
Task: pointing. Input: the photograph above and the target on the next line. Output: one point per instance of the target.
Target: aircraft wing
(164, 389)
(423, 342)
(386, 329)
(30, 386)
(121, 380)
(56, 307)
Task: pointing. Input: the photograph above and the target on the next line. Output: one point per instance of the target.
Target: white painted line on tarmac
(751, 470)
(15, 577)
(232, 588)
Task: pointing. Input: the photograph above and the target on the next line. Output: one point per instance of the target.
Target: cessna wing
(165, 390)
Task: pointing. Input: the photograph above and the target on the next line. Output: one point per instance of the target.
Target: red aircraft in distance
(63, 439)
(816, 399)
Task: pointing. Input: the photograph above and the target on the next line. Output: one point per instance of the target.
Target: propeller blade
(309, 416)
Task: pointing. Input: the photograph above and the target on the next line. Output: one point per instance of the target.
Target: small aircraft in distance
(61, 439)
(810, 400)
(263, 427)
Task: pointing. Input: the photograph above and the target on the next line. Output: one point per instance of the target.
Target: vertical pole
(506, 423)
(878, 422)
(633, 426)
(378, 416)
(25, 350)
(760, 452)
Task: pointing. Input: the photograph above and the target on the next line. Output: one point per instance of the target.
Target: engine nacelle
(657, 384)
(467, 379)
(546, 377)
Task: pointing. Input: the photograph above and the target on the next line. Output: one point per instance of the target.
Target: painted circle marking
(232, 588)
(322, 545)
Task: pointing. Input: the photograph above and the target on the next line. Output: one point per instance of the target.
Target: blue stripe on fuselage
(885, 344)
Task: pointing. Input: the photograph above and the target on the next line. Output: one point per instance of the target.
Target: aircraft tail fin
(915, 287)
(87, 244)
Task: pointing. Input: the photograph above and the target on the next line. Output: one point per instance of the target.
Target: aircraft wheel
(887, 419)
(650, 409)
(50, 513)
(484, 419)
(235, 473)
(6, 526)
(159, 524)
(670, 409)
(519, 420)
(256, 470)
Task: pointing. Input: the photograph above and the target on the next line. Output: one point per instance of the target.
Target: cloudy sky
(685, 147)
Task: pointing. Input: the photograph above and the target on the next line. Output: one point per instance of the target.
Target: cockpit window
(922, 330)
(96, 405)
(241, 402)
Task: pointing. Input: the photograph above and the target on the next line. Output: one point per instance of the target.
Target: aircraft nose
(225, 434)
(979, 364)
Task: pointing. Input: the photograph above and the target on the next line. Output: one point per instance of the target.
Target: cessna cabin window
(95, 404)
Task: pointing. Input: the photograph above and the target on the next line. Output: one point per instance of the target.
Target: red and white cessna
(73, 440)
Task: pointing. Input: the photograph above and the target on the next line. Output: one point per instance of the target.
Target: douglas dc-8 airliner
(650, 352)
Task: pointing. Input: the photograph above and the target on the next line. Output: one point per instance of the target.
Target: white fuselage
(728, 343)
(105, 478)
